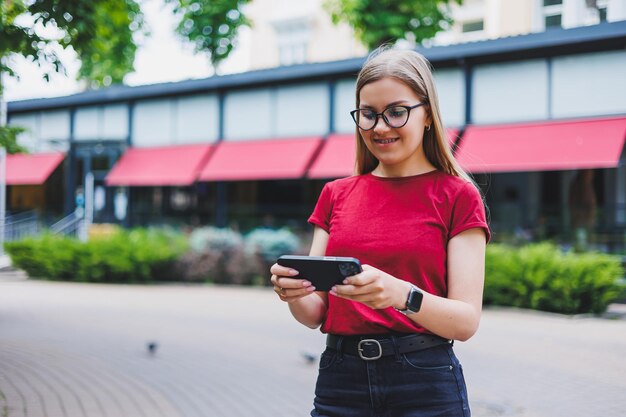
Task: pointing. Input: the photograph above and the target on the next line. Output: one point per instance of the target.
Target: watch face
(414, 301)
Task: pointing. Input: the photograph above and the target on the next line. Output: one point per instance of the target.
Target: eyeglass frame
(382, 114)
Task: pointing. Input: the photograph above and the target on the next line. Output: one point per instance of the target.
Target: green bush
(542, 277)
(223, 256)
(271, 243)
(140, 255)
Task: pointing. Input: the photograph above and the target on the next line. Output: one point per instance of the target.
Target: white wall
(297, 110)
(345, 102)
(154, 123)
(115, 122)
(55, 125)
(197, 119)
(510, 92)
(450, 84)
(589, 84)
(31, 122)
(248, 114)
(302, 110)
(101, 123)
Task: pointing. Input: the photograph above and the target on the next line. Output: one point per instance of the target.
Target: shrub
(270, 243)
(140, 255)
(263, 246)
(542, 277)
(213, 238)
(217, 256)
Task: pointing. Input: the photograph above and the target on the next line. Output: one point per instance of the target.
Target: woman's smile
(385, 141)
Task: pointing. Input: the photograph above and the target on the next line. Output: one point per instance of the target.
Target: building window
(293, 39)
(601, 6)
(552, 13)
(474, 26)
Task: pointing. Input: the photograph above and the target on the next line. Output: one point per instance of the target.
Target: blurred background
(187, 141)
(230, 118)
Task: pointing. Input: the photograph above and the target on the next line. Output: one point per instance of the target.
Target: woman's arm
(455, 317)
(307, 307)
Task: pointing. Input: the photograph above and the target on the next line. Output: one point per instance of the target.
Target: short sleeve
(468, 212)
(323, 209)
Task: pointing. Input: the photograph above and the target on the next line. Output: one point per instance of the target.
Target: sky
(161, 57)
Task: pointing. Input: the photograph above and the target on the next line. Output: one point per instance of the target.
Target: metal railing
(22, 225)
(70, 225)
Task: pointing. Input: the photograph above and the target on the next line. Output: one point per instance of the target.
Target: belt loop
(396, 347)
(338, 348)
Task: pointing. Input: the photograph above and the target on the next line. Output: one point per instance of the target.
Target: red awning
(546, 146)
(162, 166)
(260, 159)
(25, 169)
(336, 159)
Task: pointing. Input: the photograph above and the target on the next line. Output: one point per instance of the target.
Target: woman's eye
(369, 115)
(396, 112)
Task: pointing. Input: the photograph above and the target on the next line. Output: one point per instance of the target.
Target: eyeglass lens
(393, 116)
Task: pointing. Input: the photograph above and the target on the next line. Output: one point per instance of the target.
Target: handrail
(67, 225)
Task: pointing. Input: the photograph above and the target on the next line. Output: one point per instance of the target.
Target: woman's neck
(397, 172)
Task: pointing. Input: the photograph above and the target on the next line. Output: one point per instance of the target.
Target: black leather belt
(370, 348)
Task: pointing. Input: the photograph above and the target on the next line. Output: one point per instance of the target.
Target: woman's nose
(380, 125)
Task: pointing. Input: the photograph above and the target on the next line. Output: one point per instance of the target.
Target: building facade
(539, 119)
(286, 32)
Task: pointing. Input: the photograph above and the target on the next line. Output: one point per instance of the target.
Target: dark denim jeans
(425, 383)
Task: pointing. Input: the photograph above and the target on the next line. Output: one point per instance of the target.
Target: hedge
(537, 276)
(543, 277)
(141, 255)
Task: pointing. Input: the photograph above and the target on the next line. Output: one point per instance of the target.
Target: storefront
(540, 120)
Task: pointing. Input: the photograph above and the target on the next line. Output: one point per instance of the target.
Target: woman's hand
(374, 288)
(287, 288)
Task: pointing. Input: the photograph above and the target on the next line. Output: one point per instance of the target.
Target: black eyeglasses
(394, 116)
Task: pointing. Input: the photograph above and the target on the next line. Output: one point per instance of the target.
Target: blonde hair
(414, 70)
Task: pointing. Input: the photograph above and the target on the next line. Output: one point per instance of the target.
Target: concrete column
(616, 10)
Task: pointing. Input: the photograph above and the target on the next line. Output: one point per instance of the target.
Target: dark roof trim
(602, 37)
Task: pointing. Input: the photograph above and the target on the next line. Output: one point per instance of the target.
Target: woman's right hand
(287, 288)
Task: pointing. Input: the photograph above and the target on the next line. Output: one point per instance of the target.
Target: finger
(349, 290)
(292, 294)
(274, 280)
(283, 271)
(284, 282)
(361, 279)
(366, 299)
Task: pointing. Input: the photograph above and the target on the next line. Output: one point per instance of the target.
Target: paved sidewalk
(80, 350)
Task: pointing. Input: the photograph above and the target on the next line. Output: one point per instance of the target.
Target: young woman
(417, 224)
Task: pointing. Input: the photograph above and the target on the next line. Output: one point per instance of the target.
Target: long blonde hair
(414, 70)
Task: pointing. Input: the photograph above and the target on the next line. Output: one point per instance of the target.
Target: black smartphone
(322, 271)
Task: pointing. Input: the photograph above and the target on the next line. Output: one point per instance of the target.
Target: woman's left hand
(374, 288)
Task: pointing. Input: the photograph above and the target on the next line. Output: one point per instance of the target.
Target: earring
(428, 128)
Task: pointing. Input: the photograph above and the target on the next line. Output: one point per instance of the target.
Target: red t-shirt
(401, 226)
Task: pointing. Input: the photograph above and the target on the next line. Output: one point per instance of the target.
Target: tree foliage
(8, 139)
(210, 25)
(376, 22)
(100, 31)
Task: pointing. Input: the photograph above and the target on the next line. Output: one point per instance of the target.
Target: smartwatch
(413, 301)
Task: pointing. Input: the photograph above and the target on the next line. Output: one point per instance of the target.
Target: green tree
(103, 35)
(376, 22)
(211, 26)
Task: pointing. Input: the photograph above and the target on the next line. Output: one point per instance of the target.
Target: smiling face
(399, 150)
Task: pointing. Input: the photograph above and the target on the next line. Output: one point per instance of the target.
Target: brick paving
(80, 350)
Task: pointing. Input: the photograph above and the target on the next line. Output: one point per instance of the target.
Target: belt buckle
(360, 349)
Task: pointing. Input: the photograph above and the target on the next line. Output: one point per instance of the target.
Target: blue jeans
(425, 383)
